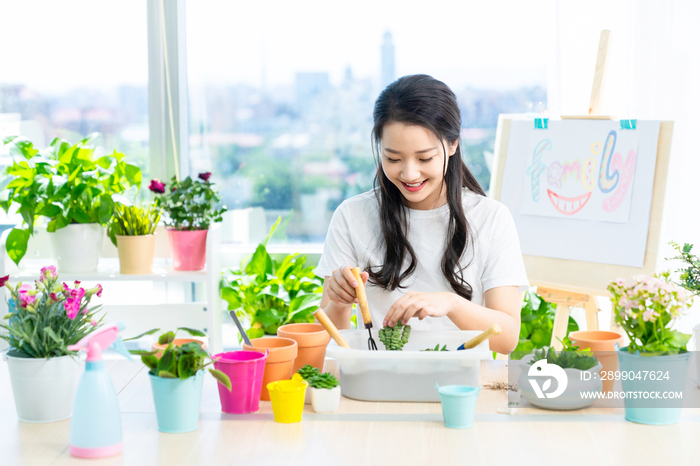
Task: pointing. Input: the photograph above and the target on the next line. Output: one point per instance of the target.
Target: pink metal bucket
(245, 369)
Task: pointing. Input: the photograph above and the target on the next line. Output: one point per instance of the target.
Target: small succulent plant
(308, 372)
(326, 380)
(394, 338)
(437, 348)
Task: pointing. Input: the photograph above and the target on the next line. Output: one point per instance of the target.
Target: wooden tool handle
(362, 297)
(495, 329)
(323, 319)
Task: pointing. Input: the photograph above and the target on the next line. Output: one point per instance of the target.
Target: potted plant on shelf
(325, 393)
(73, 189)
(176, 381)
(647, 307)
(132, 231)
(43, 320)
(268, 294)
(189, 206)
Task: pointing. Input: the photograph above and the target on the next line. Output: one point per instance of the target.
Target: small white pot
(76, 247)
(43, 388)
(324, 400)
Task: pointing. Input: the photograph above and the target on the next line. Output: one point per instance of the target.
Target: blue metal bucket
(177, 402)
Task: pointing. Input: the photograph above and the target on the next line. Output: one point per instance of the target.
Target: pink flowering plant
(647, 307)
(46, 318)
(188, 204)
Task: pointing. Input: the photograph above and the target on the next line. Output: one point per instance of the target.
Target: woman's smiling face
(414, 160)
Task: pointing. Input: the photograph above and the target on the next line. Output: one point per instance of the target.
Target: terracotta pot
(176, 342)
(602, 343)
(136, 254)
(280, 359)
(311, 339)
(188, 248)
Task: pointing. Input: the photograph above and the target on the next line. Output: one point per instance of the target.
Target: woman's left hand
(418, 304)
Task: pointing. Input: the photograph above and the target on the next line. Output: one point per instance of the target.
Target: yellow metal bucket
(287, 397)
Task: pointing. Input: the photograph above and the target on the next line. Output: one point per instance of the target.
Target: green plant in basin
(326, 380)
(133, 221)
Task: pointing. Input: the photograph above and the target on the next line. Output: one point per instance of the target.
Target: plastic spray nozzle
(99, 340)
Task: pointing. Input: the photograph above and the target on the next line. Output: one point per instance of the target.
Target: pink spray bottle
(96, 425)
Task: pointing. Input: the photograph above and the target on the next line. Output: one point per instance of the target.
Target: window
(71, 69)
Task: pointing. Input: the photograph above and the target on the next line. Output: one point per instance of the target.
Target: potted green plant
(43, 320)
(132, 231)
(268, 294)
(646, 307)
(189, 206)
(70, 187)
(325, 393)
(176, 382)
(573, 361)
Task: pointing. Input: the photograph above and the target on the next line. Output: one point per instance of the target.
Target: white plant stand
(203, 313)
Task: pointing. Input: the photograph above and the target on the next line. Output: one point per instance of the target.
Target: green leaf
(222, 378)
(106, 208)
(166, 338)
(272, 232)
(255, 333)
(168, 362)
(49, 331)
(260, 264)
(16, 244)
(166, 375)
(57, 223)
(150, 361)
(185, 366)
(138, 352)
(150, 332)
(192, 331)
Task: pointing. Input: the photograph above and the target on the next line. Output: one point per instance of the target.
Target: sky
(77, 43)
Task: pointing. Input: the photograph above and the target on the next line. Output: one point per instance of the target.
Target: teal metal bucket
(651, 410)
(177, 402)
(458, 405)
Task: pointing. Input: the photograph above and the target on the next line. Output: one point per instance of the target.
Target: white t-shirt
(492, 257)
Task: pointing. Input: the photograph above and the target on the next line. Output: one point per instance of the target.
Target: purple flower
(25, 298)
(205, 176)
(4, 280)
(156, 186)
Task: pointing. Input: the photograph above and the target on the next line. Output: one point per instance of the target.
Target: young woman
(432, 245)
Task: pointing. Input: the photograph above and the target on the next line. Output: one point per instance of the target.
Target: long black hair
(423, 101)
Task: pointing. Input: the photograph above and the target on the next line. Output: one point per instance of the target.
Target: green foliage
(394, 338)
(570, 357)
(182, 362)
(690, 275)
(269, 294)
(537, 324)
(647, 307)
(38, 324)
(437, 348)
(133, 221)
(190, 204)
(326, 380)
(308, 372)
(63, 183)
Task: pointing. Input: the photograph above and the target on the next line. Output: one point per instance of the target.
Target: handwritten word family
(603, 169)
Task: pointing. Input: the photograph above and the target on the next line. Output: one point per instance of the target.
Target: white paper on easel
(580, 172)
(584, 239)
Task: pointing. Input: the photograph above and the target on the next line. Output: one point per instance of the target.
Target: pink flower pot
(189, 248)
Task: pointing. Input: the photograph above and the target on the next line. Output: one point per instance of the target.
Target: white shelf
(108, 270)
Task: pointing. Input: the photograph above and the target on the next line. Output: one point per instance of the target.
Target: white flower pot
(43, 388)
(76, 247)
(324, 400)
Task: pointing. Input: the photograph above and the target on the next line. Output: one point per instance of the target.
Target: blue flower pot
(177, 402)
(458, 405)
(650, 410)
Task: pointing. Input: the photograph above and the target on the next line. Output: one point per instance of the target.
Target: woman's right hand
(340, 286)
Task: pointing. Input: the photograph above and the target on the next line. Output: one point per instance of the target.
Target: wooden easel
(565, 300)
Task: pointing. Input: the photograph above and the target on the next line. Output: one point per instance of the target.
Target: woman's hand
(340, 286)
(421, 305)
